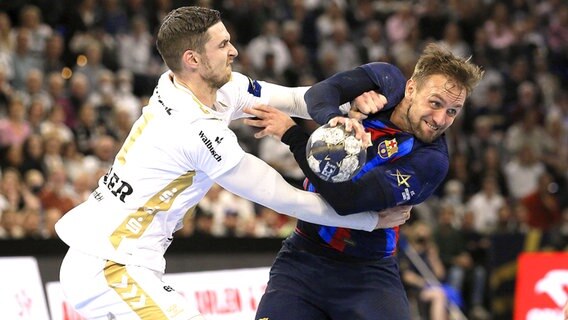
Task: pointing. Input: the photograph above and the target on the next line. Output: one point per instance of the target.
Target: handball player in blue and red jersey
(331, 273)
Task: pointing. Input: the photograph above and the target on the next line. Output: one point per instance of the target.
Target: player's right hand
(393, 217)
(367, 103)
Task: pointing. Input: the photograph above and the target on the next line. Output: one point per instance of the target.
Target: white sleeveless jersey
(168, 162)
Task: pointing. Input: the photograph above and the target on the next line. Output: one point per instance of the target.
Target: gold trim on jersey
(130, 292)
(136, 223)
(134, 134)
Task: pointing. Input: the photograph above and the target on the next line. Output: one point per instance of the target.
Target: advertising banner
(218, 295)
(21, 290)
(542, 286)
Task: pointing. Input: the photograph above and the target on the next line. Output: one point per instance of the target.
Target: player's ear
(190, 58)
(410, 88)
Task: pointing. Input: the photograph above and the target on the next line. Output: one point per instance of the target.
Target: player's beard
(417, 129)
(215, 80)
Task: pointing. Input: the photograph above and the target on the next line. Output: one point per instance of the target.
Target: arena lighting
(66, 73)
(82, 60)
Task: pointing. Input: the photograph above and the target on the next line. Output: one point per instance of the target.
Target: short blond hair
(437, 59)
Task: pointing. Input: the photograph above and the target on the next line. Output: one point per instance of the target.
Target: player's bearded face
(433, 107)
(218, 57)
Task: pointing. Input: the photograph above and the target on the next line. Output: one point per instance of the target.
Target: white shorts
(102, 289)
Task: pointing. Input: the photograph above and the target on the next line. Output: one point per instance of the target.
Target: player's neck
(399, 116)
(201, 90)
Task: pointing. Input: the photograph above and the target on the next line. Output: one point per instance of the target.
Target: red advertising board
(542, 286)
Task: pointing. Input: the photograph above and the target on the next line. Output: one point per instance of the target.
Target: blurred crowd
(74, 75)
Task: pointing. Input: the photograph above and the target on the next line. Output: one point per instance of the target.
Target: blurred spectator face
(36, 113)
(105, 148)
(79, 85)
(16, 111)
(55, 85)
(30, 17)
(490, 186)
(34, 181)
(452, 33)
(31, 223)
(23, 39)
(34, 146)
(5, 23)
(446, 215)
(52, 215)
(87, 115)
(374, 31)
(94, 54)
(34, 81)
(54, 46)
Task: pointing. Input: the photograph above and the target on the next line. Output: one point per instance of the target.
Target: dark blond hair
(439, 60)
(184, 29)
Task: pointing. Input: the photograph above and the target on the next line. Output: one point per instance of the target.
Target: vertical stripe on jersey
(136, 223)
(127, 288)
(134, 134)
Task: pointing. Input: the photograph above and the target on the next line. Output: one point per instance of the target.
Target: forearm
(287, 99)
(254, 180)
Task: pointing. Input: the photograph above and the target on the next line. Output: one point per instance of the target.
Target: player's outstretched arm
(255, 180)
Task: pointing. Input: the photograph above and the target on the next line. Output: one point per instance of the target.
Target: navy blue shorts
(306, 286)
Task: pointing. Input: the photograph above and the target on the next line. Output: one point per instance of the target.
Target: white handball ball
(334, 154)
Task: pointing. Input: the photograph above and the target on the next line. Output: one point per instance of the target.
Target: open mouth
(431, 126)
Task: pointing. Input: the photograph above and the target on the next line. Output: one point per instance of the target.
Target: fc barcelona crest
(387, 148)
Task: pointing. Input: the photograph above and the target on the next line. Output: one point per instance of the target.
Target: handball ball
(334, 154)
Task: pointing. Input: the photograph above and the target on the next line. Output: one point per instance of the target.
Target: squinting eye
(452, 112)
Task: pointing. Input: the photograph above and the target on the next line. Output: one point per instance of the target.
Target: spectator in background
(23, 59)
(135, 49)
(340, 44)
(79, 90)
(6, 91)
(463, 272)
(14, 129)
(57, 93)
(57, 191)
(400, 24)
(53, 54)
(113, 18)
(104, 150)
(453, 40)
(374, 46)
(92, 66)
(522, 172)
(31, 19)
(230, 212)
(429, 296)
(542, 205)
(269, 43)
(33, 154)
(55, 124)
(33, 89)
(36, 115)
(485, 204)
(7, 45)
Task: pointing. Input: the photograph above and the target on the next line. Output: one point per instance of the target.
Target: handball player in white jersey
(177, 149)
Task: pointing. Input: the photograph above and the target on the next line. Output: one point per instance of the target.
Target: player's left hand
(393, 217)
(273, 121)
(353, 125)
